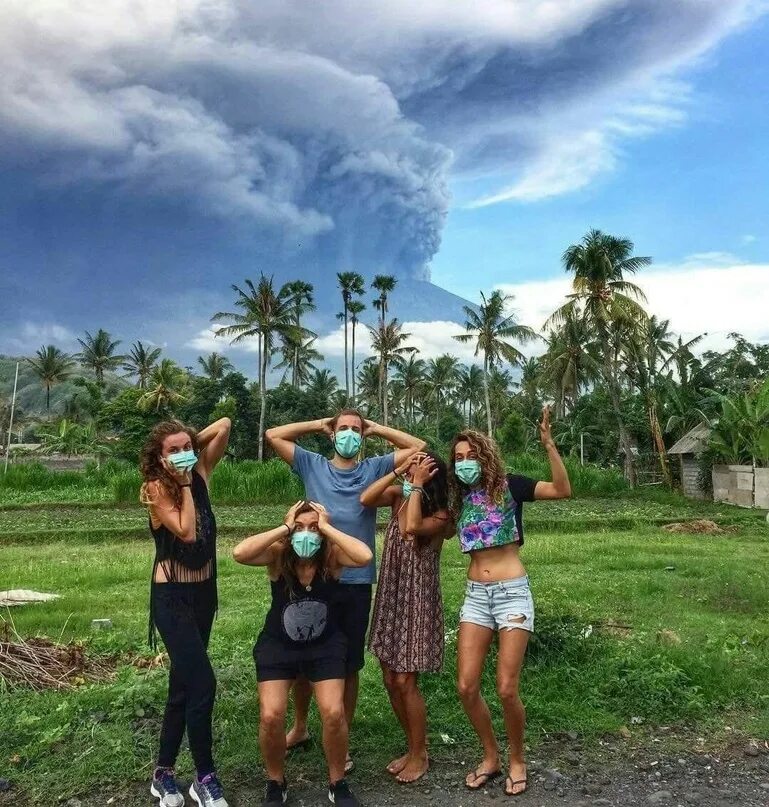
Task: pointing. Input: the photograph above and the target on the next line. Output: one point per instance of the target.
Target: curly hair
(493, 476)
(289, 558)
(150, 462)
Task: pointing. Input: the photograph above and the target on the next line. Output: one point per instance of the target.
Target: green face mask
(306, 543)
(468, 471)
(347, 443)
(183, 460)
(407, 488)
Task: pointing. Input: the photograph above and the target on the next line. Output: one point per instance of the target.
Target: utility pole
(10, 427)
(582, 448)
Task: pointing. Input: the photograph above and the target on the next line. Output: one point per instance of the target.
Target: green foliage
(740, 431)
(512, 435)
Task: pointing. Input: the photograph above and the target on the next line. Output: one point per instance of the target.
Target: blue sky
(153, 154)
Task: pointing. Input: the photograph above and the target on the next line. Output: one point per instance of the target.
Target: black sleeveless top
(184, 562)
(305, 614)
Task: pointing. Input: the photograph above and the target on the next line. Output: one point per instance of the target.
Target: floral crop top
(484, 524)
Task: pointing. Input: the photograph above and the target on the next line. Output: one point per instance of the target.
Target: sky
(153, 154)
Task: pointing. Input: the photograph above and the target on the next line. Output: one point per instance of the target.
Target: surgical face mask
(407, 488)
(183, 460)
(306, 543)
(468, 471)
(347, 443)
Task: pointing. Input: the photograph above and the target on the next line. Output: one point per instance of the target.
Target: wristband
(288, 528)
(417, 487)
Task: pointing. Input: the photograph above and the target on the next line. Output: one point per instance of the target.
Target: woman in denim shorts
(487, 505)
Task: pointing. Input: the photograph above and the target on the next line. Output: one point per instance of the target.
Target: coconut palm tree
(411, 374)
(368, 387)
(322, 384)
(351, 285)
(302, 302)
(384, 284)
(52, 366)
(469, 390)
(441, 378)
(215, 366)
(604, 299)
(298, 357)
(140, 362)
(491, 328)
(355, 307)
(387, 342)
(165, 388)
(98, 353)
(265, 314)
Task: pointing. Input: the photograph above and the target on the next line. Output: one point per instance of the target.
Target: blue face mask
(407, 488)
(306, 543)
(347, 443)
(468, 471)
(183, 460)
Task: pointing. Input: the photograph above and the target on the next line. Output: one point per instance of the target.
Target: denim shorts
(499, 605)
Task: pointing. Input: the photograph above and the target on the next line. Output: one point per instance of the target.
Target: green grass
(579, 676)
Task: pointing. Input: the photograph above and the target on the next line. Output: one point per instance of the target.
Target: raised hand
(323, 517)
(177, 474)
(424, 470)
(411, 458)
(290, 519)
(545, 435)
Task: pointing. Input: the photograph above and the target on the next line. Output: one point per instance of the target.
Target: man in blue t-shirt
(337, 484)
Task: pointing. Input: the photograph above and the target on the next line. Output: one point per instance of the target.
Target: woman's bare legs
(512, 649)
(273, 704)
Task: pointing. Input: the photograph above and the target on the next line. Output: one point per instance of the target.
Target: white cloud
(207, 340)
(696, 296)
(33, 335)
(748, 239)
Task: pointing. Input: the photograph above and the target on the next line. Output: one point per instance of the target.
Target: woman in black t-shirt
(487, 506)
(301, 637)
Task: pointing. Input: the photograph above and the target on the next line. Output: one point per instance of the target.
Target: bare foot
(516, 781)
(296, 737)
(397, 765)
(415, 768)
(488, 769)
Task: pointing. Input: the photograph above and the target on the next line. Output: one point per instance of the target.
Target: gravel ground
(611, 775)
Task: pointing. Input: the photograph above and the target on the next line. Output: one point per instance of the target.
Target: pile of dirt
(697, 527)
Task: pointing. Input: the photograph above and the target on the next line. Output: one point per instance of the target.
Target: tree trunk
(352, 363)
(346, 356)
(384, 393)
(263, 397)
(624, 436)
(486, 396)
(48, 398)
(658, 441)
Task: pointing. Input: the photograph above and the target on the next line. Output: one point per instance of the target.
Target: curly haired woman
(488, 506)
(176, 464)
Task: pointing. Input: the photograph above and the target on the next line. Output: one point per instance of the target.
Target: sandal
(512, 783)
(349, 765)
(487, 776)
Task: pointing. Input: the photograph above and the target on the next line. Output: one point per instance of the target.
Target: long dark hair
(437, 489)
(289, 559)
(151, 465)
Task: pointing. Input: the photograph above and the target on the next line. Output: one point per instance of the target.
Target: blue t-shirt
(339, 492)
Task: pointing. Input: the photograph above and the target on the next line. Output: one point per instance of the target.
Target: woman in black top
(176, 464)
(304, 557)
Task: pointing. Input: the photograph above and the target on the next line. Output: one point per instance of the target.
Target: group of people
(321, 564)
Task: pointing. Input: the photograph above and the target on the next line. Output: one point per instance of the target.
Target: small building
(688, 450)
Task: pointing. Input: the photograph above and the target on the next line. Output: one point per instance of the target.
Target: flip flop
(513, 783)
(349, 765)
(487, 776)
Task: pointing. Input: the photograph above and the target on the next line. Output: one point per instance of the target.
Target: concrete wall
(762, 488)
(734, 484)
(690, 477)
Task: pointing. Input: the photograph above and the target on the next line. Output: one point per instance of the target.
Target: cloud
(696, 296)
(32, 335)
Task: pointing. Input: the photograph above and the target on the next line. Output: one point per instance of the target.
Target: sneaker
(208, 792)
(341, 795)
(164, 787)
(276, 795)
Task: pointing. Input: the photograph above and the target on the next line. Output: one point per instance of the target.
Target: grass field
(594, 563)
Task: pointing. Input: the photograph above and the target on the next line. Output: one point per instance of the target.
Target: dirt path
(736, 776)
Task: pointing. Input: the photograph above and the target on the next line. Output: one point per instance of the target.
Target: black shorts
(352, 607)
(276, 660)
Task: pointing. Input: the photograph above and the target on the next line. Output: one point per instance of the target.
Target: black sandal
(513, 783)
(487, 776)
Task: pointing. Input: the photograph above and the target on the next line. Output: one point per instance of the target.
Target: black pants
(183, 614)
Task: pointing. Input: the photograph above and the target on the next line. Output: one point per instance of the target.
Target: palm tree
(322, 384)
(98, 353)
(384, 284)
(140, 362)
(52, 366)
(604, 299)
(441, 378)
(265, 314)
(355, 307)
(215, 366)
(303, 301)
(368, 386)
(350, 284)
(298, 357)
(411, 374)
(164, 388)
(387, 343)
(490, 328)
(469, 389)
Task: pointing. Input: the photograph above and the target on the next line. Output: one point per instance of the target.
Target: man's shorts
(352, 607)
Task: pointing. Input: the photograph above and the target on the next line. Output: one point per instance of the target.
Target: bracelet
(288, 528)
(398, 477)
(417, 487)
(185, 485)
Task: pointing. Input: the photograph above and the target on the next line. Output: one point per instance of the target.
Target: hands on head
(324, 520)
